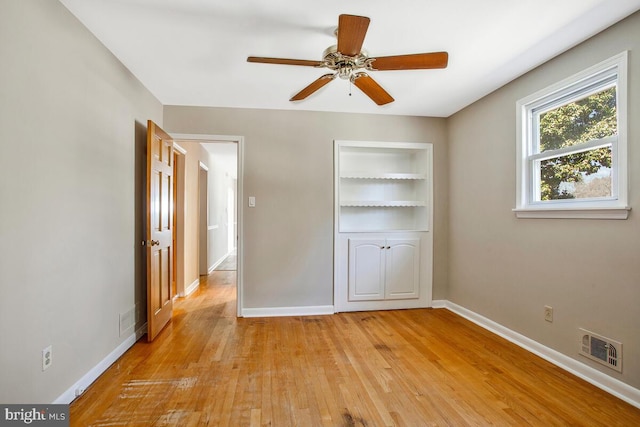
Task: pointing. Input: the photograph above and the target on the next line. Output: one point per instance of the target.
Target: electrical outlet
(47, 358)
(548, 313)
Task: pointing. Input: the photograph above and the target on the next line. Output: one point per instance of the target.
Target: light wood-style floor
(424, 367)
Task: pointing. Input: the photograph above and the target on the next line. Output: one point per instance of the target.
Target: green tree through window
(587, 119)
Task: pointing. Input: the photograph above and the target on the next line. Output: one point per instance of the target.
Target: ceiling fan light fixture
(345, 72)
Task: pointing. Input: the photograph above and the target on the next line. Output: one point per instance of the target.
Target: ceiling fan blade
(284, 61)
(372, 89)
(351, 32)
(418, 61)
(313, 87)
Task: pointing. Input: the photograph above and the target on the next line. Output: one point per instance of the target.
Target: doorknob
(151, 242)
(155, 242)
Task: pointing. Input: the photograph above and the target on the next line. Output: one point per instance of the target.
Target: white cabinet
(383, 221)
(381, 269)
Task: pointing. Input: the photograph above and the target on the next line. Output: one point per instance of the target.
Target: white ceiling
(193, 52)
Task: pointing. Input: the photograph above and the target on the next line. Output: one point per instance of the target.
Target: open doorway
(222, 190)
(216, 188)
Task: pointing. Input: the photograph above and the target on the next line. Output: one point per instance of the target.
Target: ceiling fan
(349, 61)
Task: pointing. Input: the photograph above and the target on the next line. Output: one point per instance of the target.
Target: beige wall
(507, 269)
(288, 164)
(72, 131)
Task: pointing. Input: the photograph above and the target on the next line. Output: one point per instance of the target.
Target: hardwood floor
(426, 367)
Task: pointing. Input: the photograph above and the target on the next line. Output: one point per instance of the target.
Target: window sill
(574, 213)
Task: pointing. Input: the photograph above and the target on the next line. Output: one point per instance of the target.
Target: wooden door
(159, 229)
(402, 279)
(366, 269)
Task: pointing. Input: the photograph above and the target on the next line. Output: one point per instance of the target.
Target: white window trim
(616, 208)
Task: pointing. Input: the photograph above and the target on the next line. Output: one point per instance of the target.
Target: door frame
(203, 219)
(239, 140)
(178, 217)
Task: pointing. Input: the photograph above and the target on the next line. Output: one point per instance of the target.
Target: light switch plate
(252, 201)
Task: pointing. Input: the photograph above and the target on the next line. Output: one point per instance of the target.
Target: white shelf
(384, 203)
(378, 175)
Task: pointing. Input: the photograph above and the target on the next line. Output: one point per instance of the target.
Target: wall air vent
(601, 349)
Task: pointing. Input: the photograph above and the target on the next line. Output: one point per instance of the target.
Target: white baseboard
(611, 385)
(141, 331)
(215, 265)
(220, 261)
(288, 311)
(192, 287)
(439, 303)
(87, 379)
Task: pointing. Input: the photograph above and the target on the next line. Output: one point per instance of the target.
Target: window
(572, 149)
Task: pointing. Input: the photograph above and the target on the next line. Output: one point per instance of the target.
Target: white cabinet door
(384, 269)
(366, 269)
(402, 261)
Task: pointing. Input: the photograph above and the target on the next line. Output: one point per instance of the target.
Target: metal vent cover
(603, 350)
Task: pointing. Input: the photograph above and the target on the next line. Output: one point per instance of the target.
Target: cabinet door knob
(388, 247)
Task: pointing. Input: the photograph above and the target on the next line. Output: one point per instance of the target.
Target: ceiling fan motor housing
(345, 65)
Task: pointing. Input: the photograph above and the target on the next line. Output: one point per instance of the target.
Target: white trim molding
(318, 310)
(609, 384)
(87, 379)
(192, 287)
(439, 303)
(583, 213)
(215, 265)
(220, 261)
(178, 148)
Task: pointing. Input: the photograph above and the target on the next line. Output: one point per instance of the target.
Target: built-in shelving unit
(383, 242)
(382, 186)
